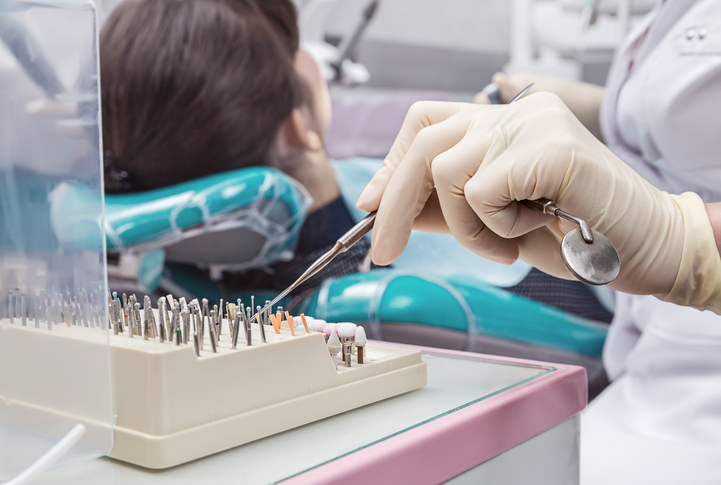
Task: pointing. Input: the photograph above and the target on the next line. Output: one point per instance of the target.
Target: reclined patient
(197, 87)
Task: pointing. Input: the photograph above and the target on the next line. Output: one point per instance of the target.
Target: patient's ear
(295, 133)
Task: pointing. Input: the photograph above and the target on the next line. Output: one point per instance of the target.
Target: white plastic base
(171, 407)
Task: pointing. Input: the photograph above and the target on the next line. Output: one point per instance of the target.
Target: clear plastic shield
(54, 351)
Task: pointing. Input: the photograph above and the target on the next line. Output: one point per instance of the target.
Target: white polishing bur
(346, 330)
(334, 346)
(317, 325)
(360, 337)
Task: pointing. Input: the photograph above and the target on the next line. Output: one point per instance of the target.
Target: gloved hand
(462, 168)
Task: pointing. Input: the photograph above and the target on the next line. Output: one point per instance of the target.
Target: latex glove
(482, 159)
(583, 99)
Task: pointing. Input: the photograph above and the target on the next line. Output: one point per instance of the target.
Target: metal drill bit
(248, 329)
(194, 314)
(54, 312)
(51, 313)
(185, 316)
(220, 319)
(214, 320)
(152, 325)
(161, 304)
(90, 303)
(118, 305)
(265, 313)
(36, 310)
(113, 316)
(73, 310)
(197, 346)
(16, 300)
(199, 323)
(11, 309)
(126, 316)
(43, 306)
(79, 314)
(80, 309)
(163, 317)
(117, 315)
(87, 312)
(261, 324)
(236, 329)
(211, 328)
(206, 315)
(176, 324)
(146, 323)
(131, 325)
(138, 319)
(23, 316)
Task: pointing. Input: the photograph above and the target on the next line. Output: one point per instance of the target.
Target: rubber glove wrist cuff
(698, 282)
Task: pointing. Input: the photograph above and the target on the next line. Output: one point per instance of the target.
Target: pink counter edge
(447, 446)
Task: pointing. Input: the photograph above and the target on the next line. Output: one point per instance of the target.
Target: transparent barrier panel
(54, 353)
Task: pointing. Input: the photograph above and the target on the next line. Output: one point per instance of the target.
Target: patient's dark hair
(194, 87)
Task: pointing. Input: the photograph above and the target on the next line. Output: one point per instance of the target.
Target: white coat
(660, 420)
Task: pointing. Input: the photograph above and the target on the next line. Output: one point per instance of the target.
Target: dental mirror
(588, 254)
(596, 263)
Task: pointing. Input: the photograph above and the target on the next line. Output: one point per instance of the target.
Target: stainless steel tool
(347, 240)
(342, 245)
(588, 254)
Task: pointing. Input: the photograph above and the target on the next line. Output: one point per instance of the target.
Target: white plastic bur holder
(172, 406)
(55, 399)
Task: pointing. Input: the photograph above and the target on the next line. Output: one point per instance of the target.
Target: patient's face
(308, 70)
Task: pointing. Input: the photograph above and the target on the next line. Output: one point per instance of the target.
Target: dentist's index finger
(422, 114)
(410, 186)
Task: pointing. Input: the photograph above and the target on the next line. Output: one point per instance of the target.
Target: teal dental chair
(232, 221)
(461, 313)
(249, 218)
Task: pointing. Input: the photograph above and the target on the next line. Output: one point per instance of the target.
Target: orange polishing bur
(291, 323)
(276, 326)
(302, 317)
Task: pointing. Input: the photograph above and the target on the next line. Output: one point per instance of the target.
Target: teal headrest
(258, 200)
(132, 219)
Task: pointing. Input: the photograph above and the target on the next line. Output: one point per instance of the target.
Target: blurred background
(408, 50)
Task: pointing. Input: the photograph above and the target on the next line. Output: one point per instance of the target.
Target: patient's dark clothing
(323, 227)
(319, 232)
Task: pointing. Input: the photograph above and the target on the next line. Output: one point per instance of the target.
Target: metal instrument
(346, 241)
(588, 254)
(494, 93)
(342, 245)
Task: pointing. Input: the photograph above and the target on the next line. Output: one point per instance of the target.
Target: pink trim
(443, 448)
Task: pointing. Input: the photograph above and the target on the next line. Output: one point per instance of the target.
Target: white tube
(49, 458)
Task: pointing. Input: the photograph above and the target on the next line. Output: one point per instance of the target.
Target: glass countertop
(454, 382)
